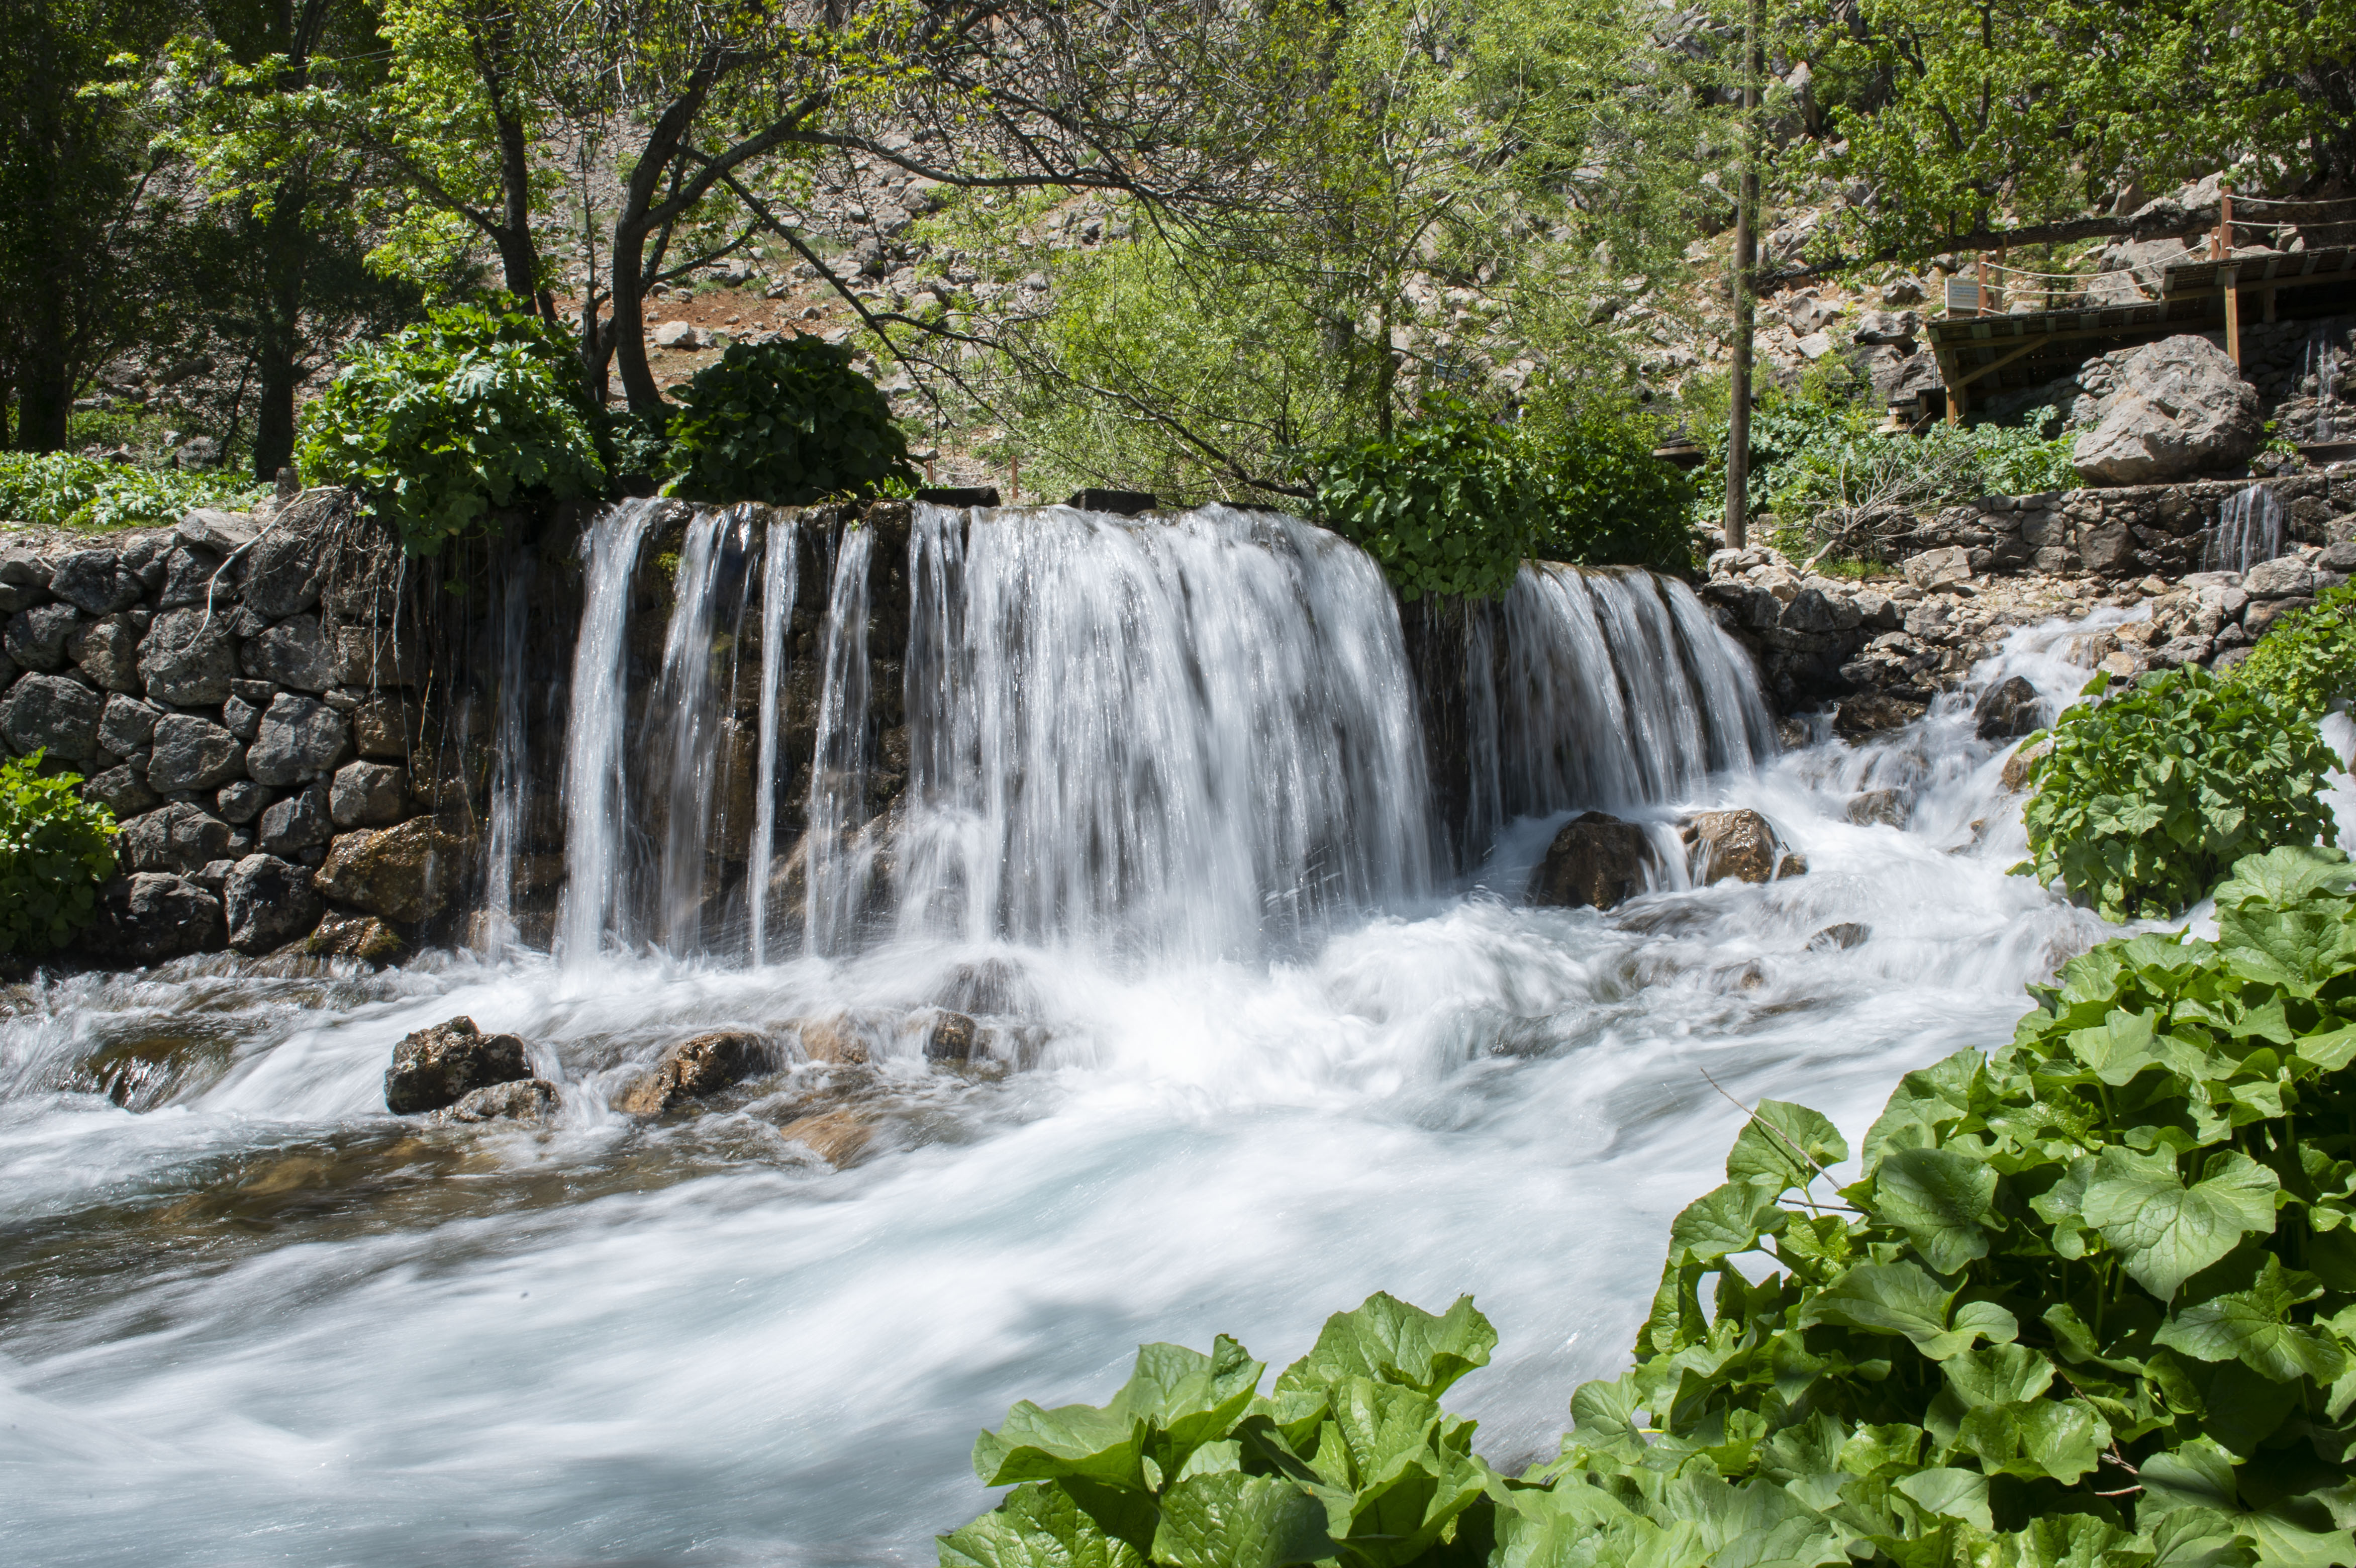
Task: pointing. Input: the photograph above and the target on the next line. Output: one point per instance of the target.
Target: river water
(253, 1318)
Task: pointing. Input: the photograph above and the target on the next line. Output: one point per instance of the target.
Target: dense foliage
(58, 490)
(786, 422)
(2307, 660)
(440, 424)
(1448, 505)
(1609, 501)
(2088, 1304)
(56, 851)
(2145, 798)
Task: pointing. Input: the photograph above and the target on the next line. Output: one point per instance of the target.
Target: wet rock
(54, 715)
(441, 1066)
(523, 1099)
(2182, 408)
(96, 582)
(295, 653)
(840, 1137)
(188, 659)
(1873, 712)
(353, 936)
(1740, 844)
(1848, 934)
(367, 795)
(404, 872)
(951, 1039)
(2006, 710)
(834, 1040)
(2023, 763)
(373, 657)
(299, 739)
(149, 916)
(694, 1069)
(36, 638)
(382, 726)
(1597, 861)
(268, 902)
(1885, 807)
(192, 753)
(297, 822)
(108, 652)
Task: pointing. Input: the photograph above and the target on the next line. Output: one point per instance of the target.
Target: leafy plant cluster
(2307, 660)
(59, 490)
(56, 851)
(2089, 1304)
(789, 423)
(2144, 800)
(1453, 503)
(476, 408)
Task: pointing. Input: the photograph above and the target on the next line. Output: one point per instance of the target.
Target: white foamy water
(254, 1318)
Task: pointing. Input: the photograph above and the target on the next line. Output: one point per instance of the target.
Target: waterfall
(837, 852)
(2248, 531)
(1600, 689)
(780, 578)
(595, 788)
(1183, 735)
(511, 782)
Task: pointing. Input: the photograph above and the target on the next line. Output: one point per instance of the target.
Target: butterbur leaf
(1037, 1526)
(2000, 1374)
(1894, 1298)
(2196, 1475)
(2060, 1438)
(1949, 1493)
(2165, 1232)
(1784, 1143)
(2253, 1325)
(1234, 1520)
(1727, 1219)
(1175, 1401)
(1939, 1197)
(1391, 1341)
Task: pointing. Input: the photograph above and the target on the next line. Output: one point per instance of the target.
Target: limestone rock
(2256, 620)
(404, 872)
(269, 903)
(188, 659)
(299, 739)
(2281, 578)
(833, 1039)
(107, 651)
(1597, 861)
(120, 791)
(440, 1065)
(1848, 934)
(192, 753)
(367, 795)
(180, 836)
(1741, 844)
(128, 725)
(2006, 710)
(840, 1137)
(353, 936)
(2182, 408)
(373, 657)
(1871, 712)
(1936, 568)
(54, 715)
(1884, 807)
(694, 1069)
(383, 727)
(148, 916)
(522, 1099)
(280, 573)
(2021, 764)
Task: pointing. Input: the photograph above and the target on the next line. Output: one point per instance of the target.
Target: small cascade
(1190, 737)
(595, 788)
(780, 579)
(2248, 531)
(510, 783)
(838, 852)
(1600, 689)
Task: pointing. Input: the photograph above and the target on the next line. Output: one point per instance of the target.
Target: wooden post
(2229, 277)
(1982, 308)
(1016, 486)
(1746, 244)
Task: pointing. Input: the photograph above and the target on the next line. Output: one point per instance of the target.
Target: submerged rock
(952, 1038)
(341, 935)
(440, 1065)
(1871, 712)
(1848, 934)
(1740, 844)
(519, 1099)
(2006, 710)
(840, 1137)
(1886, 807)
(834, 1041)
(1597, 861)
(693, 1069)
(2023, 763)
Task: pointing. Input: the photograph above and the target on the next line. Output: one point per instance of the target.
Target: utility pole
(1746, 258)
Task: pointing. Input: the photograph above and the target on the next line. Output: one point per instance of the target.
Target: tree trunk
(629, 320)
(518, 255)
(278, 335)
(1746, 222)
(44, 403)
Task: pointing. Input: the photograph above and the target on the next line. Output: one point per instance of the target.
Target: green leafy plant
(787, 422)
(56, 851)
(2308, 658)
(58, 490)
(2088, 1304)
(2145, 798)
(1449, 505)
(438, 425)
(1608, 500)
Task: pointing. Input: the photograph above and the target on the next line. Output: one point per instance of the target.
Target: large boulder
(107, 650)
(299, 739)
(441, 1066)
(192, 753)
(1597, 861)
(54, 715)
(404, 872)
(2007, 710)
(181, 836)
(148, 916)
(694, 1069)
(270, 902)
(96, 580)
(296, 823)
(1740, 845)
(367, 795)
(2182, 408)
(295, 652)
(188, 659)
(36, 638)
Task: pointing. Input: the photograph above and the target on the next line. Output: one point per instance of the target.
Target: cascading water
(2248, 531)
(1237, 1061)
(511, 781)
(839, 853)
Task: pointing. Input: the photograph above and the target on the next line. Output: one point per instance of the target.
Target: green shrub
(786, 422)
(2145, 799)
(58, 490)
(2087, 1304)
(56, 851)
(2308, 658)
(1608, 500)
(1449, 505)
(441, 423)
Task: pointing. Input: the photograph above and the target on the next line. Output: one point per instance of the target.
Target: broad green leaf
(1174, 1401)
(2254, 1326)
(2165, 1232)
(1726, 1220)
(2196, 1537)
(2000, 1374)
(1882, 1451)
(1939, 1197)
(1893, 1298)
(1037, 1526)
(2060, 1438)
(2197, 1473)
(1948, 1493)
(1234, 1520)
(1394, 1342)
(1785, 1142)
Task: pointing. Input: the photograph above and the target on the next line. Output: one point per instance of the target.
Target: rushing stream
(1250, 1056)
